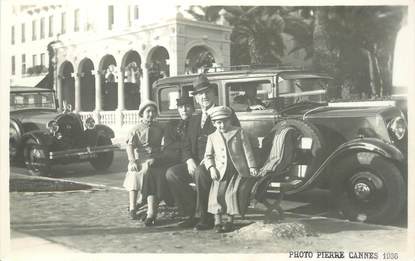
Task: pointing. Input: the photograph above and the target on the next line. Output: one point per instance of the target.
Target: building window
(76, 20)
(13, 34)
(13, 65)
(34, 60)
(136, 13)
(23, 63)
(63, 23)
(51, 26)
(42, 28)
(42, 59)
(129, 15)
(34, 35)
(23, 33)
(110, 17)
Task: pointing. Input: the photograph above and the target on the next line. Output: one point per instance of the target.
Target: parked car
(357, 150)
(40, 136)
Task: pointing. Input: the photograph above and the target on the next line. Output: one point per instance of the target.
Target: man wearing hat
(175, 130)
(193, 150)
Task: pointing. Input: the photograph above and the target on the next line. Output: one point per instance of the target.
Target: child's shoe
(227, 227)
(132, 213)
(150, 221)
(218, 228)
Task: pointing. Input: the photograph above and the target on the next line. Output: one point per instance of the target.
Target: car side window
(293, 91)
(249, 95)
(167, 99)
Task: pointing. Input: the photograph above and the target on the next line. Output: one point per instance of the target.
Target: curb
(24, 244)
(95, 187)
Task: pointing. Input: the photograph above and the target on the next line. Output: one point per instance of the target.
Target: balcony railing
(107, 117)
(129, 117)
(112, 118)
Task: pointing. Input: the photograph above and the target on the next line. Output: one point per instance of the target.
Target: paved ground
(95, 221)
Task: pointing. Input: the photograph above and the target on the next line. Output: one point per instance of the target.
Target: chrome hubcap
(365, 186)
(362, 190)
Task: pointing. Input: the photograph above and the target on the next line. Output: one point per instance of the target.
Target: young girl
(228, 158)
(144, 173)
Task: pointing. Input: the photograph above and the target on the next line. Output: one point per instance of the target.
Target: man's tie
(203, 120)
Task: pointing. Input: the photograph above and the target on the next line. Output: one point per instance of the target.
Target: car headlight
(397, 127)
(90, 123)
(52, 126)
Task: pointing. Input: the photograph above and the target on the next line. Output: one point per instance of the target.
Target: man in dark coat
(175, 131)
(179, 177)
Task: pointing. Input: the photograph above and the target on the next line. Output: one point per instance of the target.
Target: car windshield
(295, 90)
(32, 100)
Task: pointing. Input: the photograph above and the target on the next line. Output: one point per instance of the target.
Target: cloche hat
(145, 104)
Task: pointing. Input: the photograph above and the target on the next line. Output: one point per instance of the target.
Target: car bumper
(87, 152)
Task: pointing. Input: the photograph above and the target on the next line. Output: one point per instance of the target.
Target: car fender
(19, 128)
(41, 137)
(372, 145)
(102, 130)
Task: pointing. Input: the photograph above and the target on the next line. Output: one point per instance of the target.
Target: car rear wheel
(103, 160)
(368, 188)
(35, 158)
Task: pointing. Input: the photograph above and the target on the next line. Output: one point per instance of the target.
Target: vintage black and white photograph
(173, 128)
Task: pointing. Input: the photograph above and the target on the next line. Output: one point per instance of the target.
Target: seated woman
(146, 168)
(250, 99)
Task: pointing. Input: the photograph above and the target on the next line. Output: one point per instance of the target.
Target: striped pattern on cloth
(277, 151)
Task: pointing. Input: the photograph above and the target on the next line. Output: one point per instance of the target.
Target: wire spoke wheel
(36, 159)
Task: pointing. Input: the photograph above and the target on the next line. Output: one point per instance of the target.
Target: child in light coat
(228, 158)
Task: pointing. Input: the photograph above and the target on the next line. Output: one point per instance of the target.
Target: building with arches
(106, 56)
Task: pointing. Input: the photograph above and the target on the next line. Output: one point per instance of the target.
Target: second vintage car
(358, 150)
(41, 137)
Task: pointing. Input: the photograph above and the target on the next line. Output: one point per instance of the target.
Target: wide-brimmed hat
(185, 101)
(145, 104)
(220, 113)
(201, 84)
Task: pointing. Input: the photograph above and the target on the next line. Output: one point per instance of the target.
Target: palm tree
(205, 13)
(259, 29)
(256, 37)
(353, 43)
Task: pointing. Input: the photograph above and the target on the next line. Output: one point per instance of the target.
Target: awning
(32, 81)
(45, 82)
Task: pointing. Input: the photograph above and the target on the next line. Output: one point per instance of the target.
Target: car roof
(297, 73)
(15, 88)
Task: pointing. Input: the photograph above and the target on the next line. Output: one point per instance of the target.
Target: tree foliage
(353, 43)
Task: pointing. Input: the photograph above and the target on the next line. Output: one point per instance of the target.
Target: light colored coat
(236, 141)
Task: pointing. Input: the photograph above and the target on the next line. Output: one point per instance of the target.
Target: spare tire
(304, 129)
(256, 187)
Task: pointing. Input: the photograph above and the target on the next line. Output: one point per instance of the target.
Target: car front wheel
(35, 158)
(103, 160)
(368, 188)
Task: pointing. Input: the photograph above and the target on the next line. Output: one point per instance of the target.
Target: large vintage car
(40, 136)
(358, 150)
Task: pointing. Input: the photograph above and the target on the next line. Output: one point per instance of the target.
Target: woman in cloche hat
(145, 173)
